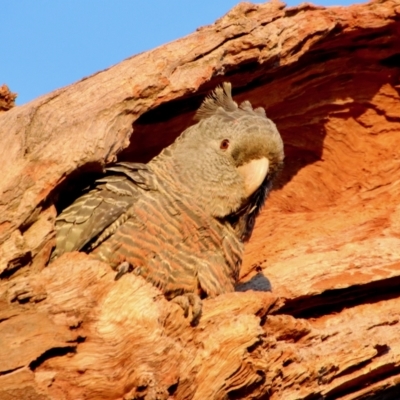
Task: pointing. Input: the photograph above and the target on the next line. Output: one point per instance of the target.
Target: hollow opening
(337, 109)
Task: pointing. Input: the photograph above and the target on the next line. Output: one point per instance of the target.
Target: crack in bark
(335, 300)
(10, 371)
(360, 382)
(51, 353)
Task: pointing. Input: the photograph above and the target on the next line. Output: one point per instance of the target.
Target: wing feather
(81, 224)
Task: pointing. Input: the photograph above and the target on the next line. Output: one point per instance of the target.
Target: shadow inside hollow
(299, 97)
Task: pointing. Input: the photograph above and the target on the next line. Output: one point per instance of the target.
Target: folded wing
(96, 215)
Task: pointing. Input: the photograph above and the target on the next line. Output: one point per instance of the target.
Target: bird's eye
(224, 144)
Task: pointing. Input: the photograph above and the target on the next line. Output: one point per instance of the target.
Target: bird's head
(229, 159)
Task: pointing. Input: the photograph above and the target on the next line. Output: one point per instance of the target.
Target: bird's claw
(187, 301)
(123, 269)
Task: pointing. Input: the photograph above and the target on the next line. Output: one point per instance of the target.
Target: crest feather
(220, 102)
(221, 97)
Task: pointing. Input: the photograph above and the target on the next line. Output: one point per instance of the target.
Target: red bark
(328, 240)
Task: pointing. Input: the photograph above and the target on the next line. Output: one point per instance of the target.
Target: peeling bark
(7, 98)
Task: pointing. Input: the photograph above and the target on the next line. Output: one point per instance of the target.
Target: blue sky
(48, 44)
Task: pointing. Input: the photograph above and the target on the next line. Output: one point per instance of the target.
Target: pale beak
(253, 174)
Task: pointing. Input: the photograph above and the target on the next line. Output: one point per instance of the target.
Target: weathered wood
(328, 241)
(7, 98)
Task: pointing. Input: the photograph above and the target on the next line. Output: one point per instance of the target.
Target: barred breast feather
(132, 215)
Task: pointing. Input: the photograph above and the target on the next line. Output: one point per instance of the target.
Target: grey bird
(181, 220)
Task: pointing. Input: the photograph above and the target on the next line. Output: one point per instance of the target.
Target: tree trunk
(328, 241)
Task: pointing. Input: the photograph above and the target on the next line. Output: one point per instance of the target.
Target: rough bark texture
(328, 241)
(7, 98)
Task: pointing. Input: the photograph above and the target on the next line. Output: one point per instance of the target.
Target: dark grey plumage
(181, 220)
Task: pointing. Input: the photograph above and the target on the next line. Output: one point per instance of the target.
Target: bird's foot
(187, 301)
(123, 269)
